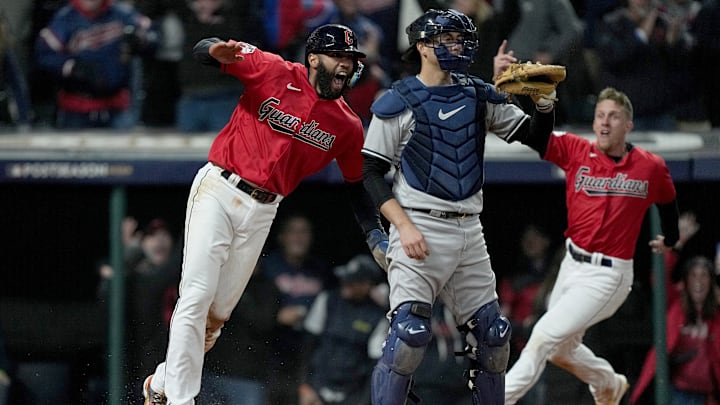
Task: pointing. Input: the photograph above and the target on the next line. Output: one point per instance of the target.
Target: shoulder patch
(388, 105)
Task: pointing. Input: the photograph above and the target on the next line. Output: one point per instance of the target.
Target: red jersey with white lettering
(607, 201)
(281, 131)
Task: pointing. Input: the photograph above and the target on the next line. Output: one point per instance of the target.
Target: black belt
(443, 214)
(582, 258)
(258, 194)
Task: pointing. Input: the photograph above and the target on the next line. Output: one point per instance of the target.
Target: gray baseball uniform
(458, 269)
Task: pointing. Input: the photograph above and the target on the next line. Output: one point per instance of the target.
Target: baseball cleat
(152, 397)
(619, 392)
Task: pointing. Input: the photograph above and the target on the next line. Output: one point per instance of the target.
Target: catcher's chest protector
(444, 156)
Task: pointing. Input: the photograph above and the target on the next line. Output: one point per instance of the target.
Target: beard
(325, 84)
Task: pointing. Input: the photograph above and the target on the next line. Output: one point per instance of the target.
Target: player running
(610, 184)
(290, 123)
(431, 128)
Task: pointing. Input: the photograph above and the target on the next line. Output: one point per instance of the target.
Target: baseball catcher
(531, 79)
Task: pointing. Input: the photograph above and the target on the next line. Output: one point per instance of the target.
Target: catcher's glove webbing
(530, 79)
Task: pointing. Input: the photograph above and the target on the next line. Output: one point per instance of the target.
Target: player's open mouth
(339, 81)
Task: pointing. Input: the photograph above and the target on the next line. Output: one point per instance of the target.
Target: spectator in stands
(160, 93)
(288, 22)
(375, 75)
(15, 100)
(639, 46)
(689, 112)
(152, 262)
(345, 328)
(17, 14)
(693, 325)
(688, 226)
(237, 370)
(43, 87)
(518, 291)
(495, 20)
(523, 294)
(88, 48)
(153, 266)
(706, 31)
(300, 276)
(550, 32)
(385, 14)
(209, 97)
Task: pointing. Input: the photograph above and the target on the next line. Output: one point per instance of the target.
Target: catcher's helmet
(435, 22)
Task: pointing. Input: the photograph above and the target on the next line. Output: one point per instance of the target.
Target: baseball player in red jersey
(610, 184)
(290, 123)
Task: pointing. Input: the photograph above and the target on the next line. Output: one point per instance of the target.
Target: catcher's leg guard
(403, 351)
(488, 336)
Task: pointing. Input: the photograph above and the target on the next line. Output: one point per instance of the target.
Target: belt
(583, 258)
(443, 214)
(258, 194)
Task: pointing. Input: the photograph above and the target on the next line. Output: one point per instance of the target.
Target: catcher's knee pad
(488, 337)
(403, 351)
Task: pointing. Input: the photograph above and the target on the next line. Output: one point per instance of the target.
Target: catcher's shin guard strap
(488, 336)
(487, 388)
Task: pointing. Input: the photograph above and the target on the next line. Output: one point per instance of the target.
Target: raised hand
(502, 60)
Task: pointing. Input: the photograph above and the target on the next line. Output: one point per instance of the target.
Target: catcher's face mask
(443, 29)
(453, 51)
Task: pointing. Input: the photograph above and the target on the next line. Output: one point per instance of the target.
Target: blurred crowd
(126, 64)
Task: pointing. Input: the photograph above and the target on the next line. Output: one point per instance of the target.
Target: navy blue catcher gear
(330, 38)
(434, 22)
(488, 336)
(403, 351)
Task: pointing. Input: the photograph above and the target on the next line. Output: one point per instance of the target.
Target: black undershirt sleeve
(201, 51)
(535, 132)
(374, 170)
(362, 205)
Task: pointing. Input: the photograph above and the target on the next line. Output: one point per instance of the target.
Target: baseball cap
(359, 268)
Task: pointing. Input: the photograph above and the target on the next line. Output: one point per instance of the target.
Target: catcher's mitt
(530, 79)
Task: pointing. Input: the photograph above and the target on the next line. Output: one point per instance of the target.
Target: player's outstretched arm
(227, 52)
(215, 51)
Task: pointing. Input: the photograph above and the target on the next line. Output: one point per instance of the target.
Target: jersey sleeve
(666, 188)
(562, 146)
(256, 67)
(504, 119)
(384, 136)
(350, 160)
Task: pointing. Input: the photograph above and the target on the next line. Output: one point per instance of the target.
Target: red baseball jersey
(607, 201)
(281, 131)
